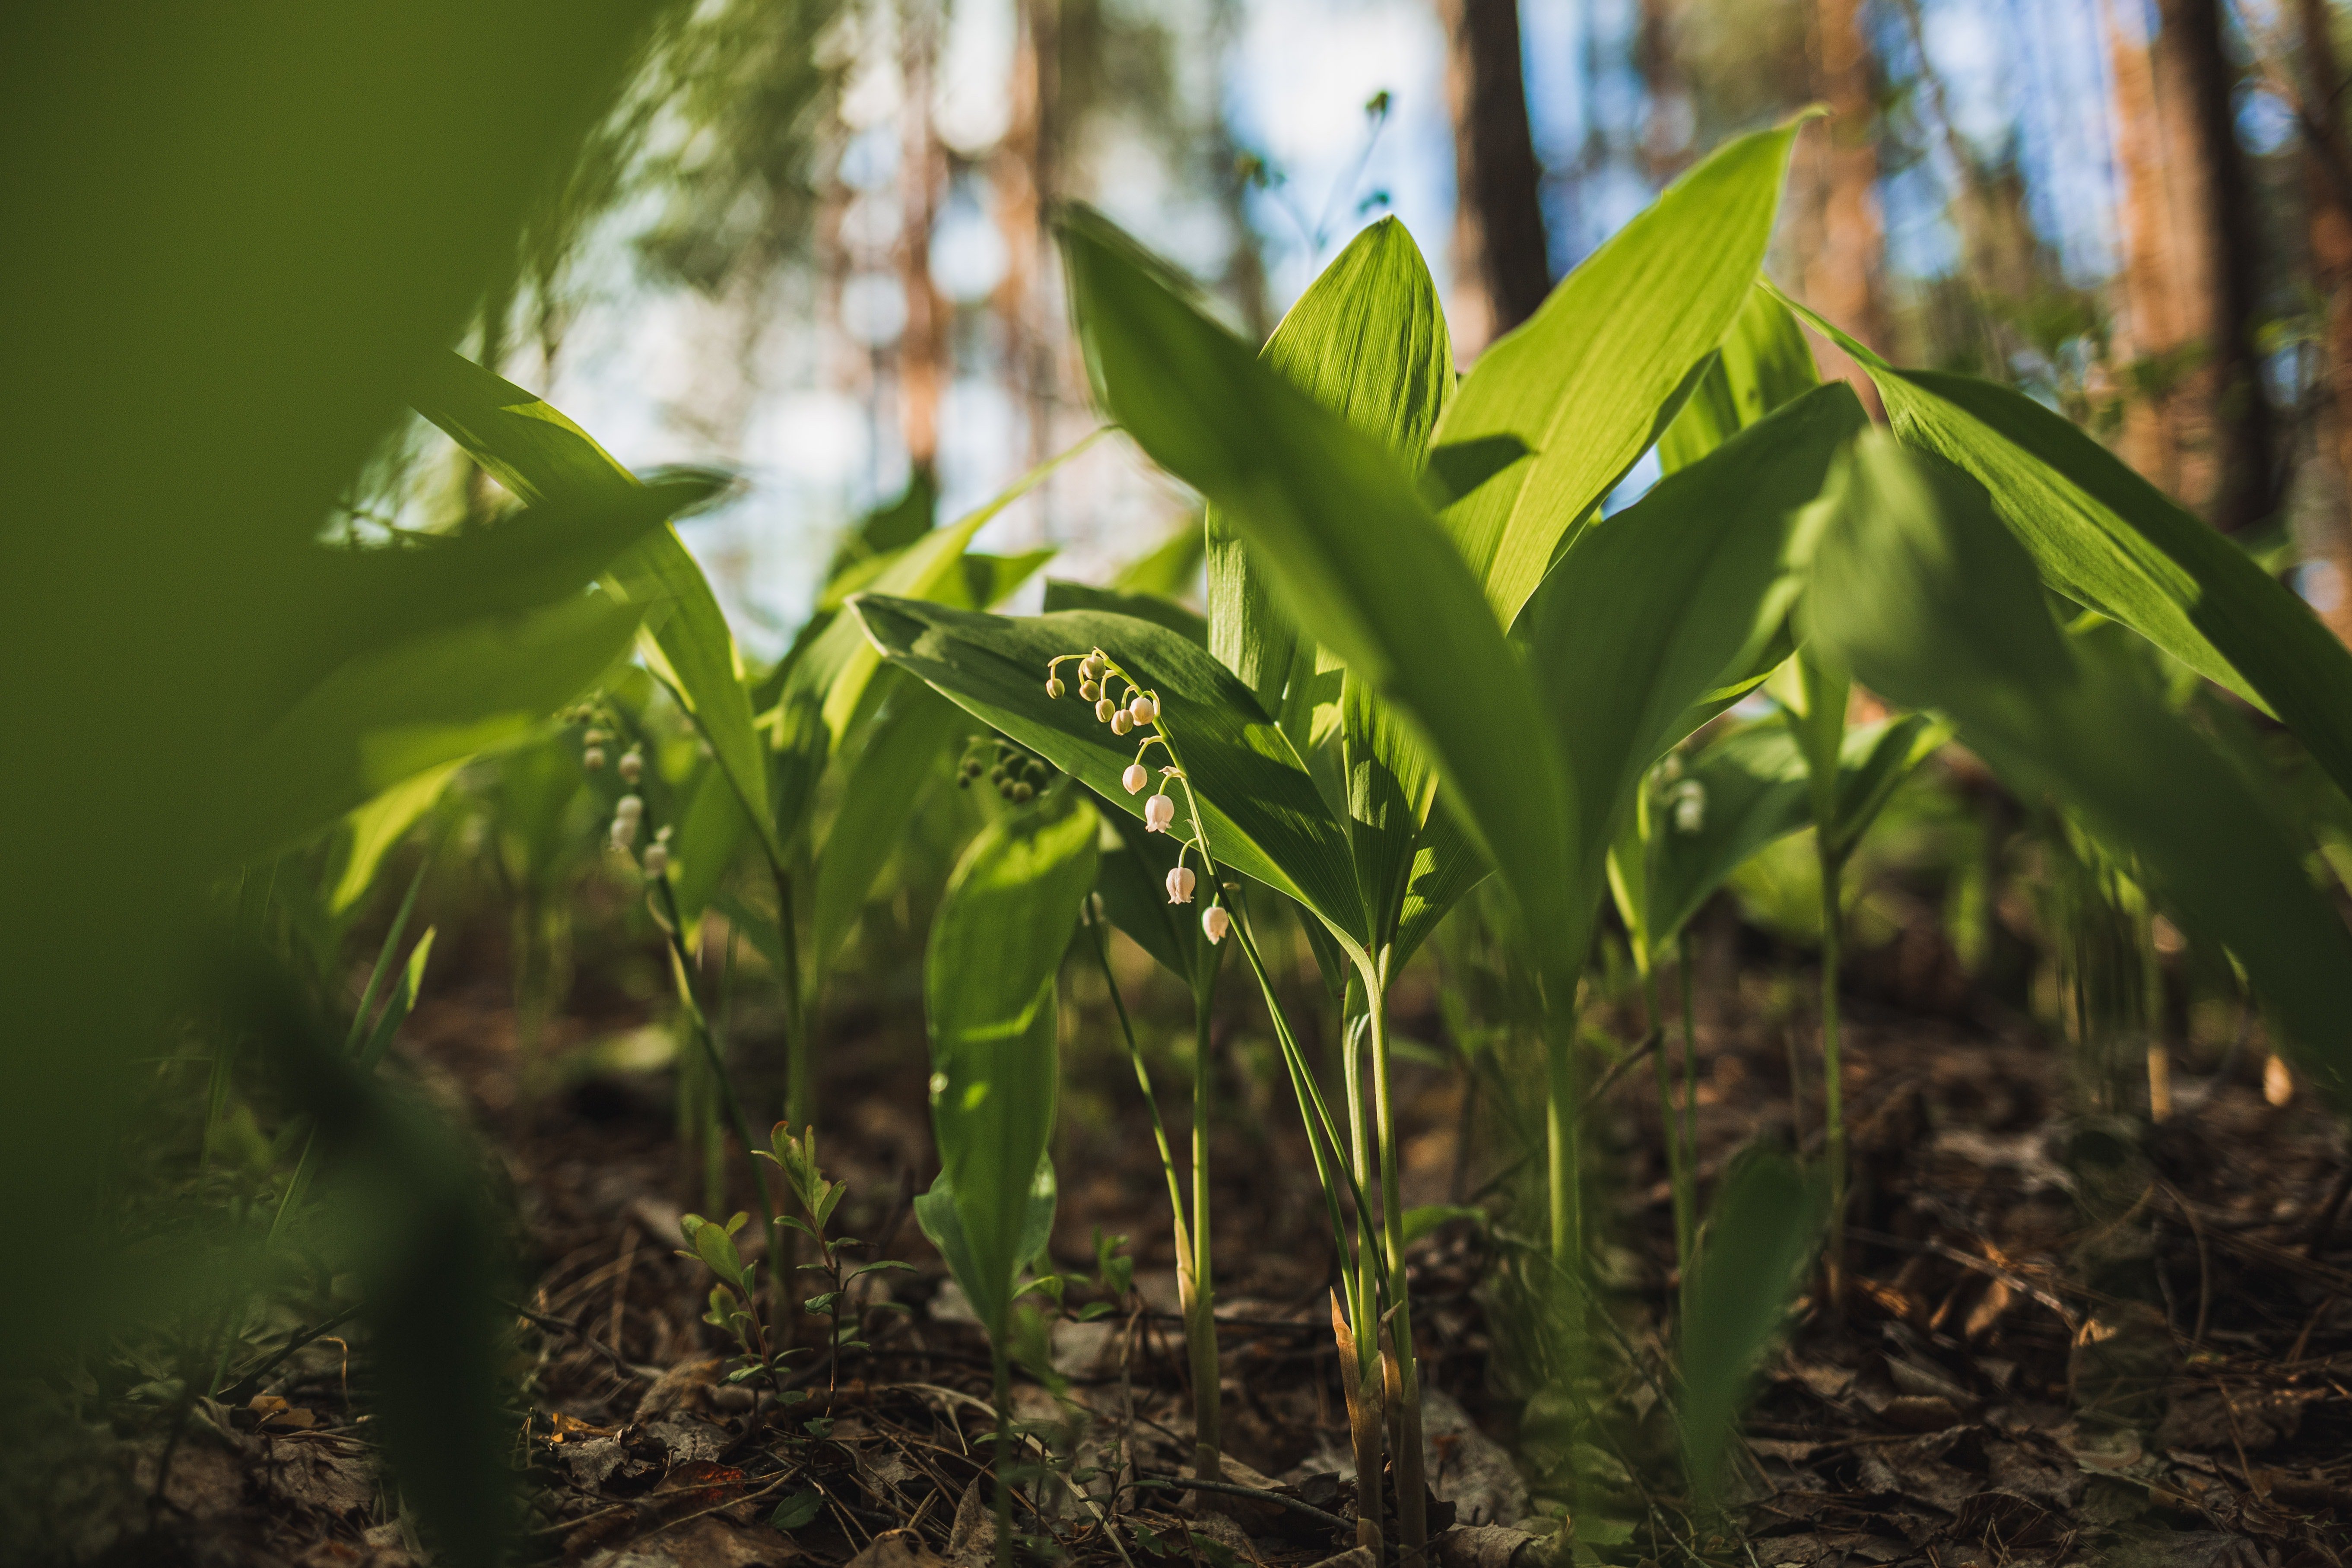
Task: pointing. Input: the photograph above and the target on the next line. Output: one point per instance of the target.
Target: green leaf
(1264, 816)
(1764, 363)
(987, 580)
(1339, 529)
(900, 756)
(708, 835)
(1167, 572)
(942, 1221)
(1579, 387)
(1649, 610)
(389, 715)
(799, 1510)
(398, 1005)
(1760, 1232)
(1184, 623)
(717, 1249)
(1934, 605)
(379, 825)
(539, 455)
(1419, 1222)
(989, 990)
(1445, 867)
(2108, 539)
(1366, 340)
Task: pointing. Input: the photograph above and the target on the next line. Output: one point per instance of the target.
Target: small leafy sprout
(819, 1197)
(731, 1299)
(1179, 885)
(1215, 922)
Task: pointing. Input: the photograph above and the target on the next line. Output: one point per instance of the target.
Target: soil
(2051, 1337)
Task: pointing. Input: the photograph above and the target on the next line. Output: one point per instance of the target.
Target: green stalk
(1003, 1392)
(1833, 1079)
(1200, 1312)
(1371, 1385)
(1690, 1085)
(1411, 1478)
(1678, 1175)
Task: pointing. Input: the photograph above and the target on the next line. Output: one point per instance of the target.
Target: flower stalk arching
(1138, 709)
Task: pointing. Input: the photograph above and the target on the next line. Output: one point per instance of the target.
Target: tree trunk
(1844, 262)
(2329, 182)
(924, 346)
(1501, 269)
(1668, 128)
(2200, 424)
(2191, 57)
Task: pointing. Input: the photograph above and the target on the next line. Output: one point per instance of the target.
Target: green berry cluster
(1019, 775)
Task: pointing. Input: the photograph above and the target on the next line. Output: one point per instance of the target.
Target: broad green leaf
(1760, 1232)
(379, 825)
(1764, 363)
(1366, 340)
(901, 756)
(2109, 539)
(1167, 571)
(1445, 866)
(1916, 585)
(387, 716)
(1264, 817)
(942, 1225)
(1186, 623)
(1339, 529)
(709, 832)
(1876, 758)
(539, 455)
(987, 580)
(1578, 388)
(823, 683)
(990, 977)
(1648, 610)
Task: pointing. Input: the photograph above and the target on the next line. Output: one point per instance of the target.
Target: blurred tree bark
(1668, 130)
(2327, 175)
(1839, 234)
(925, 348)
(1023, 172)
(1501, 269)
(2199, 419)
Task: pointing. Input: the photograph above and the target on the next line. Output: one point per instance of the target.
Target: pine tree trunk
(2328, 182)
(1501, 269)
(2191, 58)
(924, 346)
(1845, 258)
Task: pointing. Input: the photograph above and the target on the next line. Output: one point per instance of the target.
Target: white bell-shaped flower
(1158, 813)
(1179, 885)
(633, 764)
(1215, 922)
(657, 859)
(1142, 711)
(625, 832)
(592, 759)
(1104, 710)
(630, 805)
(1135, 778)
(1690, 806)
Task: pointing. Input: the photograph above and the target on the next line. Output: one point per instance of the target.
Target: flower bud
(1090, 667)
(1142, 711)
(1135, 778)
(1023, 793)
(631, 807)
(1088, 690)
(657, 861)
(1104, 708)
(633, 764)
(1053, 687)
(663, 836)
(624, 831)
(1119, 723)
(1690, 806)
(594, 738)
(1158, 813)
(1179, 885)
(592, 759)
(1215, 923)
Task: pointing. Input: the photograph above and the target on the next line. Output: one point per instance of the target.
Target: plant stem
(1689, 1133)
(1199, 1313)
(1371, 1385)
(1832, 1078)
(1003, 1392)
(1678, 1176)
(1412, 1477)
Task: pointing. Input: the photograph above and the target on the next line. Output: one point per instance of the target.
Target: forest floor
(2053, 1340)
